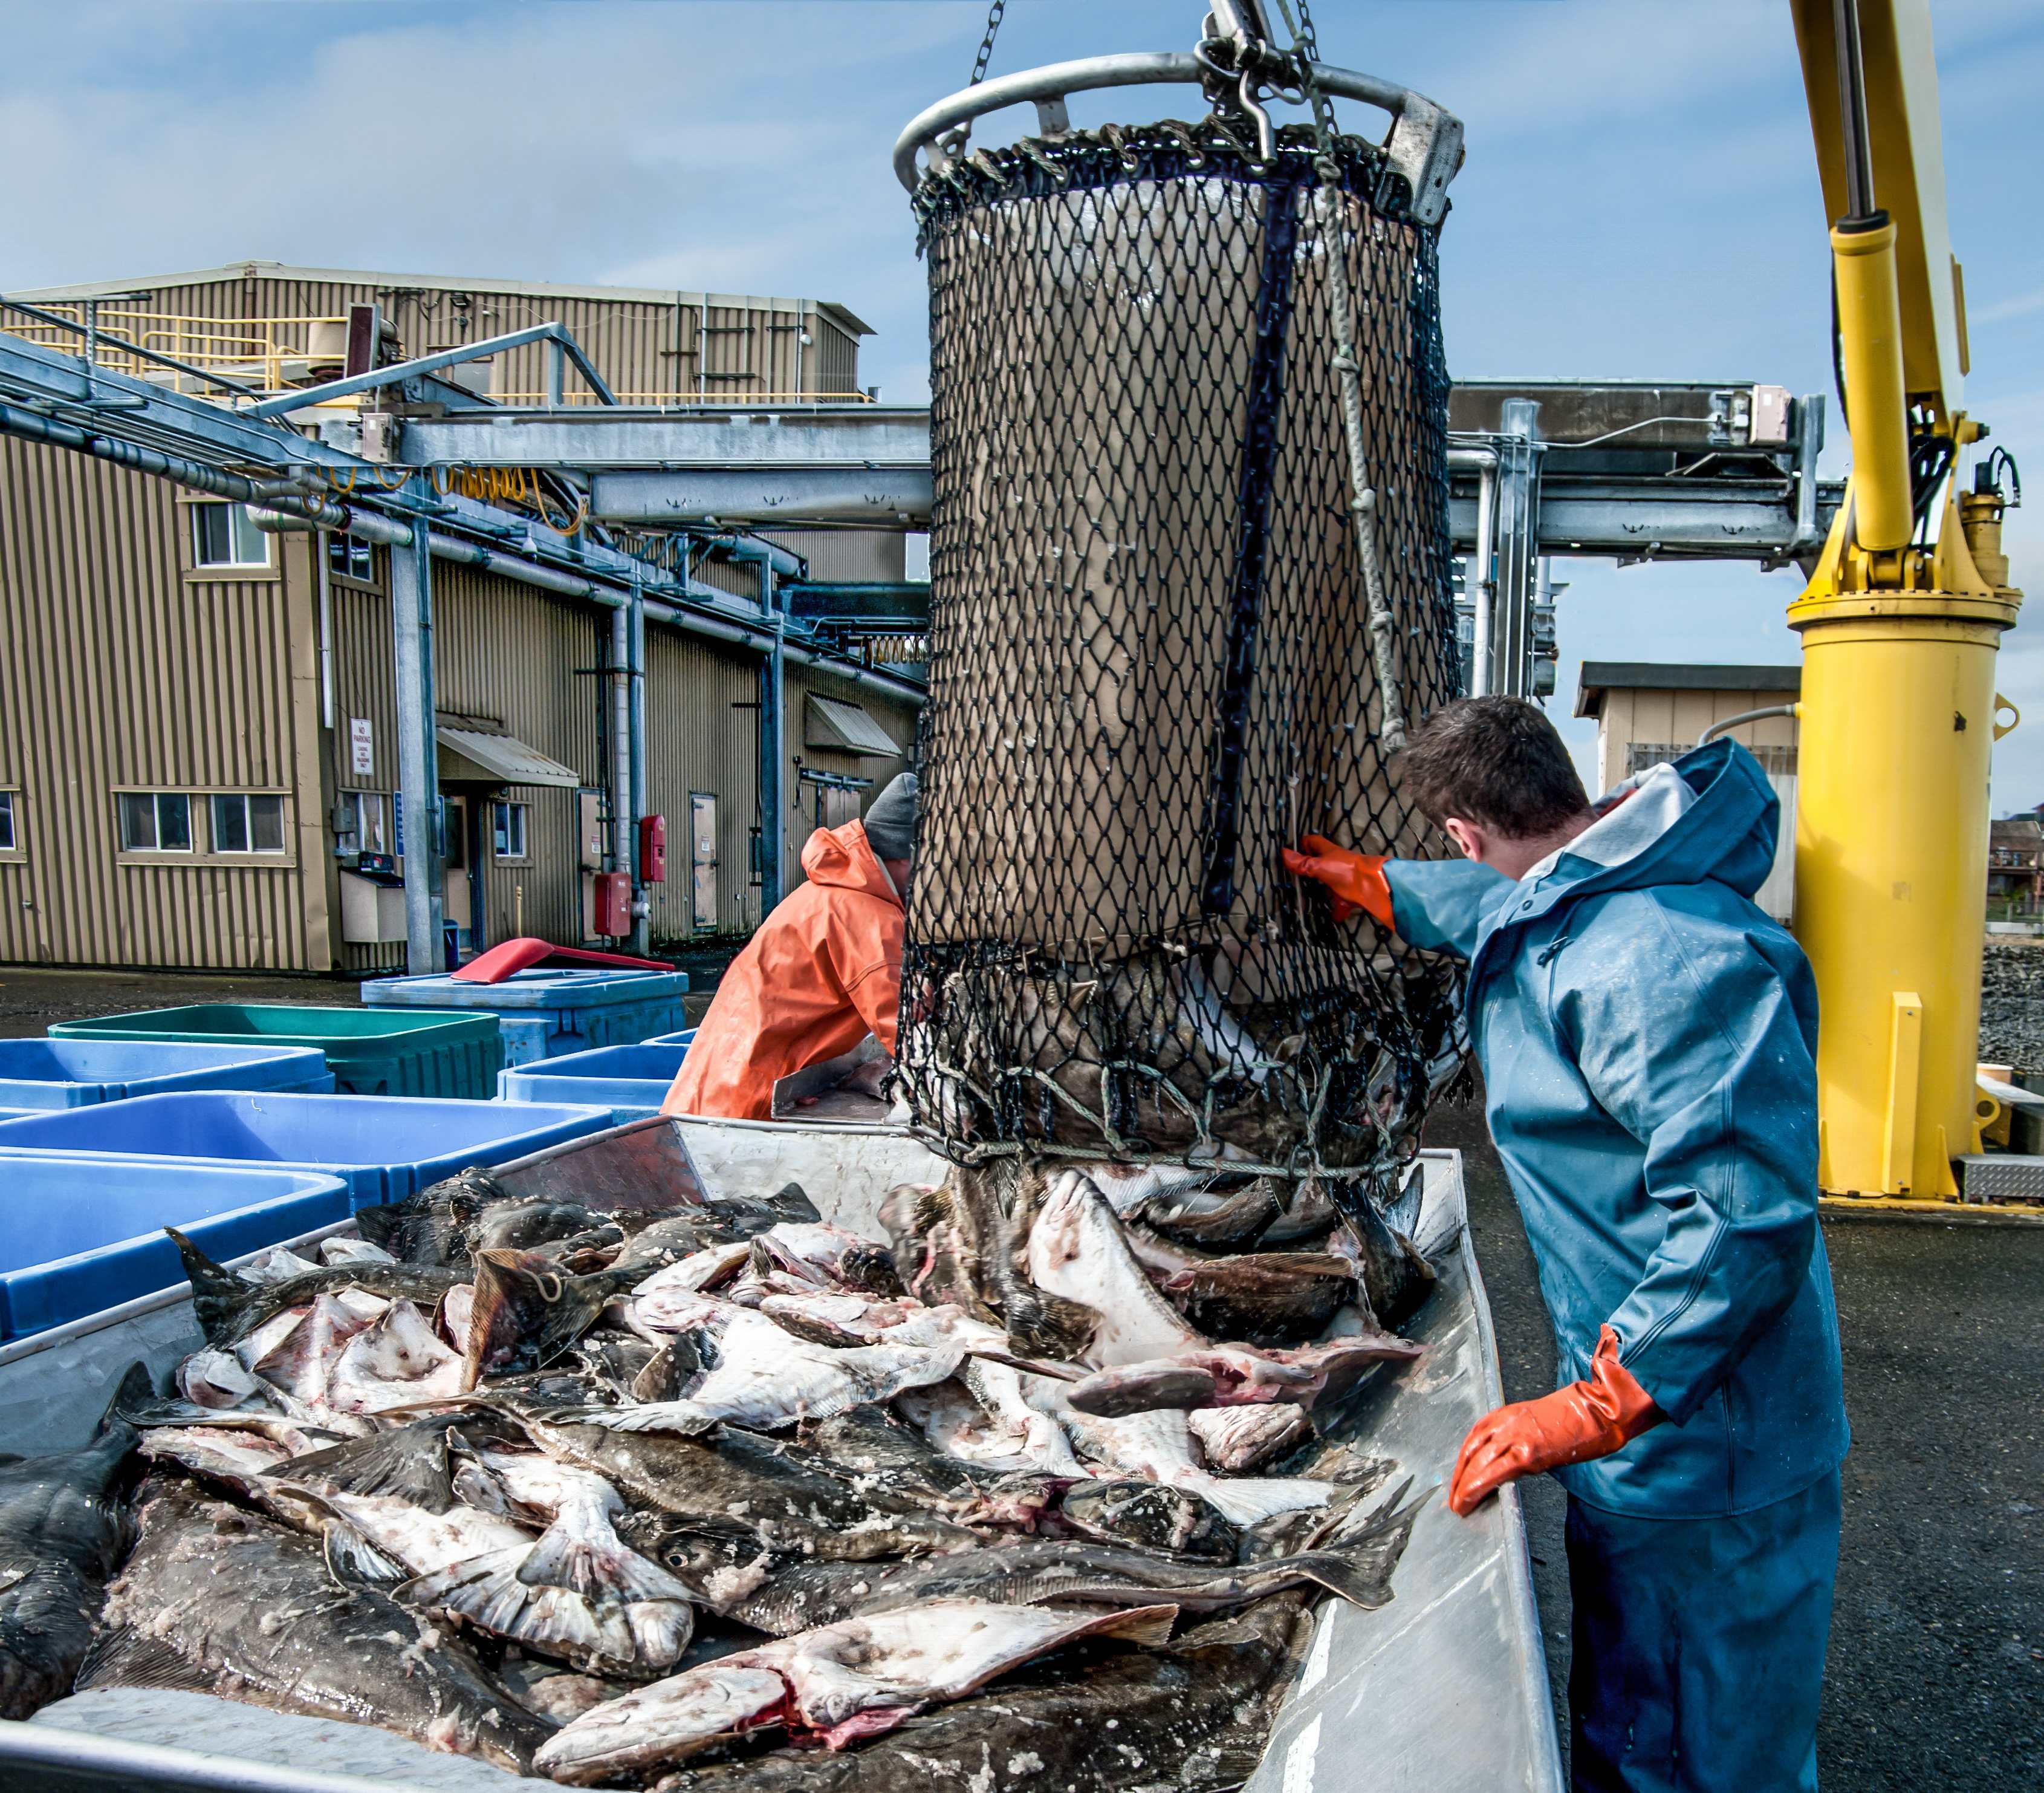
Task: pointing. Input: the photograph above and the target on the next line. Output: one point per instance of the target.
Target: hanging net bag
(1153, 664)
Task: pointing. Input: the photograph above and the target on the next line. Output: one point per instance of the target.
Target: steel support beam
(773, 758)
(418, 755)
(1517, 549)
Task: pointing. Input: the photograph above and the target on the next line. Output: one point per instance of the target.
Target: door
(460, 908)
(702, 858)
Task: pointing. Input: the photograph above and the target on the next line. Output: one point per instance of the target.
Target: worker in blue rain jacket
(1648, 1041)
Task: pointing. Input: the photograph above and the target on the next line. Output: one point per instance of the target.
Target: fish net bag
(1151, 658)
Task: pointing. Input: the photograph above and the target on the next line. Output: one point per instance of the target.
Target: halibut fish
(834, 1685)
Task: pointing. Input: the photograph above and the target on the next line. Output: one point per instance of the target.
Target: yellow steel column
(1898, 721)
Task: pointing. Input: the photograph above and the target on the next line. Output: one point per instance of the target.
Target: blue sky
(1639, 200)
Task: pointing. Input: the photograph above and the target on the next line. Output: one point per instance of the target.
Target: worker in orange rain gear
(823, 972)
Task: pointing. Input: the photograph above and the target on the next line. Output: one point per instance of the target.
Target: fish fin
(383, 1224)
(1247, 1500)
(1365, 1584)
(1147, 1627)
(791, 1202)
(218, 1293)
(409, 1464)
(124, 1657)
(486, 1592)
(677, 1417)
(137, 1393)
(353, 1561)
(1047, 1325)
(598, 1568)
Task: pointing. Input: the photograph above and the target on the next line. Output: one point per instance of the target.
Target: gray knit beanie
(890, 824)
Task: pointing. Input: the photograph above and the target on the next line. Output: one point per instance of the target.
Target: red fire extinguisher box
(652, 849)
(614, 904)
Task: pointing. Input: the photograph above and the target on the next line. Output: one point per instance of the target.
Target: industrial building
(198, 750)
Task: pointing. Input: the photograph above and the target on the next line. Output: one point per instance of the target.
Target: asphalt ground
(1935, 1676)
(1936, 1672)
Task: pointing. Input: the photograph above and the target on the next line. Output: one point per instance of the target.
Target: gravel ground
(2012, 1004)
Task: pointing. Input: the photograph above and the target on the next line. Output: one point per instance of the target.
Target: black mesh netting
(1150, 664)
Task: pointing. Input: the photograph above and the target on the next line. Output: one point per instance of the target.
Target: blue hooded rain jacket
(1648, 1039)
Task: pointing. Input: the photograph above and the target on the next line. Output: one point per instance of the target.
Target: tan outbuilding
(198, 730)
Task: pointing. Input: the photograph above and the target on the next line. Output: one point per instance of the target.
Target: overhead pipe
(280, 507)
(623, 813)
(284, 514)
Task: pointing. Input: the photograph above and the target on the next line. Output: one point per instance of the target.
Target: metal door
(702, 857)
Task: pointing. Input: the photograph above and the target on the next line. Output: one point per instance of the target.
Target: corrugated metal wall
(508, 655)
(647, 349)
(119, 667)
(800, 817)
(698, 739)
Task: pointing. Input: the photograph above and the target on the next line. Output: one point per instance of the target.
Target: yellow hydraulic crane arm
(1906, 152)
(1900, 623)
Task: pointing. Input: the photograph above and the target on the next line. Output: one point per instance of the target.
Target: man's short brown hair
(1495, 761)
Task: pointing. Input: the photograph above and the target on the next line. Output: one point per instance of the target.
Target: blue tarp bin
(578, 1009)
(76, 1073)
(631, 1081)
(685, 1037)
(83, 1234)
(382, 1148)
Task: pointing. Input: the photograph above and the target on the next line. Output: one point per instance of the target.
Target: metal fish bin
(1446, 1687)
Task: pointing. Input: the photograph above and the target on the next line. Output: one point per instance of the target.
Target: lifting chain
(993, 17)
(1327, 212)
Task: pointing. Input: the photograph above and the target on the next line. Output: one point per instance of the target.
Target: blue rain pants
(1700, 1646)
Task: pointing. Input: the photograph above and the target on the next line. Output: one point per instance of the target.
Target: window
(248, 823)
(8, 840)
(509, 821)
(358, 822)
(155, 821)
(224, 535)
(350, 559)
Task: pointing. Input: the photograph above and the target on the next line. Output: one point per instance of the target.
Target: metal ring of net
(1150, 667)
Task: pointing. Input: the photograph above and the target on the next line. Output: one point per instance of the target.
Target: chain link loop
(993, 17)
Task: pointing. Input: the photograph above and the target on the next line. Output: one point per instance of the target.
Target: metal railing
(712, 400)
(276, 354)
(268, 352)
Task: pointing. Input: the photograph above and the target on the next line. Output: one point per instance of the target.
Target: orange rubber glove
(1356, 879)
(1577, 1424)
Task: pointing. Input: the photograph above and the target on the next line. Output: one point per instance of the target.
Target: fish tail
(136, 1391)
(216, 1291)
(582, 1553)
(1147, 1627)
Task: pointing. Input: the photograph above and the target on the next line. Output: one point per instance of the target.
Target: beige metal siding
(735, 345)
(504, 653)
(799, 815)
(1665, 718)
(699, 739)
(118, 668)
(847, 556)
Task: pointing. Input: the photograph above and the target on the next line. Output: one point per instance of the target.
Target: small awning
(469, 756)
(845, 728)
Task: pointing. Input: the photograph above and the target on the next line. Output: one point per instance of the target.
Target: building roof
(256, 269)
(1600, 675)
(2017, 831)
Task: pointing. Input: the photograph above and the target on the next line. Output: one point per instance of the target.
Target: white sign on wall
(361, 747)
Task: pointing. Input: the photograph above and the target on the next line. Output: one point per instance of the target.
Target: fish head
(526, 1313)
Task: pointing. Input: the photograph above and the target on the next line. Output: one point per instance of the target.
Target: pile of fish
(674, 1494)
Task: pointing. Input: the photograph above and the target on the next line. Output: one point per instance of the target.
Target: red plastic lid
(514, 956)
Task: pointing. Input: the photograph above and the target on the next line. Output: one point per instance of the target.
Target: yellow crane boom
(1900, 624)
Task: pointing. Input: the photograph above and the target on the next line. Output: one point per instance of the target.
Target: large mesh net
(1151, 662)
